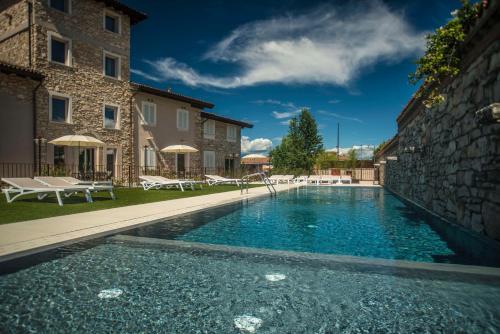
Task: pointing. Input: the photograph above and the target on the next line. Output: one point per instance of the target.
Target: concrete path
(23, 238)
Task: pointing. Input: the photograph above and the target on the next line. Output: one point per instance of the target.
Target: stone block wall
(449, 155)
(222, 147)
(14, 34)
(84, 81)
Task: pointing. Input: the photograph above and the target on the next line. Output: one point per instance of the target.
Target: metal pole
(338, 140)
(39, 156)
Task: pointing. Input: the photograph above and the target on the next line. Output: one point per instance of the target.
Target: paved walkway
(18, 239)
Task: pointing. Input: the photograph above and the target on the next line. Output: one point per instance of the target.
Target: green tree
(352, 159)
(379, 147)
(442, 57)
(299, 149)
(326, 160)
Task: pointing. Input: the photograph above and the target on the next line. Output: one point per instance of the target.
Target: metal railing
(121, 175)
(263, 177)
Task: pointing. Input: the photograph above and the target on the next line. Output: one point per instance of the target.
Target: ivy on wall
(443, 52)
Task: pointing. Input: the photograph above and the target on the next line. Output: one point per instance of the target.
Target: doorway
(229, 166)
(110, 162)
(86, 163)
(181, 164)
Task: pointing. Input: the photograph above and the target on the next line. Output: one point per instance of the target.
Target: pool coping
(379, 265)
(35, 236)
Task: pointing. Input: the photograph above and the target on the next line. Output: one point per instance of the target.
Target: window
(111, 65)
(182, 119)
(231, 133)
(59, 109)
(209, 160)
(111, 22)
(58, 155)
(149, 157)
(148, 113)
(209, 129)
(111, 117)
(61, 5)
(59, 49)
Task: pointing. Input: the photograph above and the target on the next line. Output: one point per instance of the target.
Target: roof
(20, 71)
(171, 95)
(135, 16)
(226, 120)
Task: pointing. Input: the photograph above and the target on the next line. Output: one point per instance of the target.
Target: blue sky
(261, 61)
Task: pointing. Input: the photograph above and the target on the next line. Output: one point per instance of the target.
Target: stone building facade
(448, 157)
(221, 143)
(164, 118)
(82, 50)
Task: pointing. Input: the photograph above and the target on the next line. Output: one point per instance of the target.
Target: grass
(29, 207)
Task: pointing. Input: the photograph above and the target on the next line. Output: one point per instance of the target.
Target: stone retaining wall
(448, 157)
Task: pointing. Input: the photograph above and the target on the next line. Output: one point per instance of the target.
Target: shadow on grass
(29, 207)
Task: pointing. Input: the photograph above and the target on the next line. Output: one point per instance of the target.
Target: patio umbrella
(254, 156)
(179, 149)
(77, 141)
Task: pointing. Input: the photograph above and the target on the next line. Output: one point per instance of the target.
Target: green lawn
(27, 208)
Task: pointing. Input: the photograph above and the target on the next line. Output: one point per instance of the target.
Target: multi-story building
(217, 138)
(65, 70)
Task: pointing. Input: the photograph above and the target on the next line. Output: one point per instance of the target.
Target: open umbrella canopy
(255, 159)
(179, 149)
(254, 156)
(77, 140)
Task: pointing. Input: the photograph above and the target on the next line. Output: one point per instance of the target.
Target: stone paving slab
(28, 237)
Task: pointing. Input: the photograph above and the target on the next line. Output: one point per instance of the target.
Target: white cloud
(286, 114)
(327, 45)
(287, 122)
(363, 152)
(146, 75)
(334, 101)
(338, 116)
(255, 145)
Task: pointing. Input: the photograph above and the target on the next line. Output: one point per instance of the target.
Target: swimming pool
(186, 276)
(369, 222)
(128, 284)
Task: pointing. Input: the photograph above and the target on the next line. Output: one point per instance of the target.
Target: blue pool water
(120, 285)
(154, 279)
(357, 221)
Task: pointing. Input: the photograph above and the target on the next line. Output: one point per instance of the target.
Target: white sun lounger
(184, 183)
(330, 179)
(286, 179)
(66, 181)
(274, 179)
(157, 182)
(21, 186)
(315, 179)
(73, 180)
(300, 179)
(346, 178)
(216, 179)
